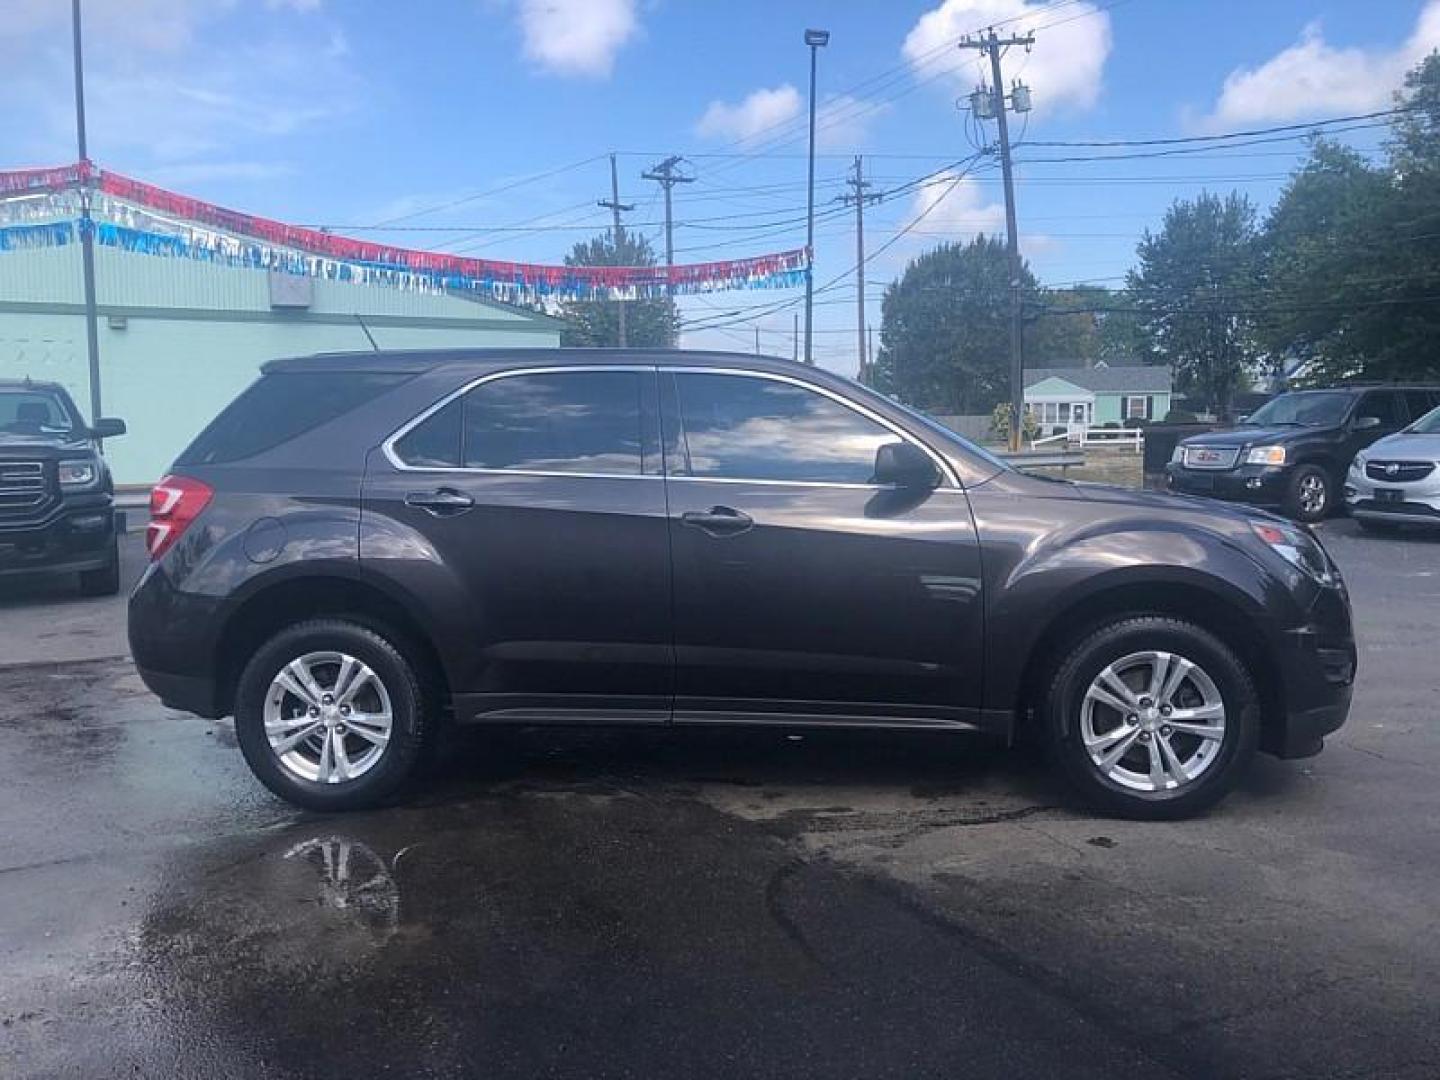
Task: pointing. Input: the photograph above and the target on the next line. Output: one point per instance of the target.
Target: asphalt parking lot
(696, 905)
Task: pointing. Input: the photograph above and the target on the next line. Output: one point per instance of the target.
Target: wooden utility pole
(665, 175)
(989, 44)
(859, 184)
(616, 205)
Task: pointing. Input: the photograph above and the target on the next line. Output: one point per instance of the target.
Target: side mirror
(905, 465)
(1365, 423)
(108, 427)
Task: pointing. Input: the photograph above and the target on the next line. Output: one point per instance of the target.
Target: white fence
(1124, 438)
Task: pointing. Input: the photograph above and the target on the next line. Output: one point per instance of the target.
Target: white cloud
(954, 212)
(1066, 67)
(1313, 77)
(172, 89)
(760, 111)
(577, 37)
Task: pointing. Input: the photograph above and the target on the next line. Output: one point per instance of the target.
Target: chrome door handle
(443, 502)
(718, 520)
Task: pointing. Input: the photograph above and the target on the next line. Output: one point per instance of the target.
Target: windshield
(34, 412)
(1429, 424)
(1312, 408)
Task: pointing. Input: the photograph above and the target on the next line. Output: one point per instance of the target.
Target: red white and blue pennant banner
(140, 217)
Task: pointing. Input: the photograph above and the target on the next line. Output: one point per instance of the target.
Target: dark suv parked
(362, 547)
(1294, 450)
(57, 510)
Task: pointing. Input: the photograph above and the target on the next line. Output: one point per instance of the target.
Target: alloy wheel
(328, 717)
(1153, 721)
(1312, 494)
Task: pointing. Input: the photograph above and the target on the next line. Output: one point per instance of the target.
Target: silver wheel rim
(328, 718)
(1312, 494)
(1153, 721)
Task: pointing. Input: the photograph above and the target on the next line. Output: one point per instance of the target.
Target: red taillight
(175, 502)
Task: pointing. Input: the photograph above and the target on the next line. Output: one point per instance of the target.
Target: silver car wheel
(328, 717)
(1153, 721)
(1312, 494)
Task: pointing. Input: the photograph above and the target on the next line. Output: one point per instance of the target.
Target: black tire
(104, 581)
(411, 709)
(1087, 658)
(1303, 481)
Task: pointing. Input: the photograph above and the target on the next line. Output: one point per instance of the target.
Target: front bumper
(1316, 675)
(1418, 502)
(1259, 485)
(80, 536)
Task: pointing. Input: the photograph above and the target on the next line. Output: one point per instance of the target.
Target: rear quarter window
(281, 405)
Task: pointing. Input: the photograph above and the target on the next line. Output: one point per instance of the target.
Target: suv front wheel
(331, 716)
(1152, 717)
(1310, 494)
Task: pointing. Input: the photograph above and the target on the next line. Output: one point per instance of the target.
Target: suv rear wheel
(331, 716)
(1152, 717)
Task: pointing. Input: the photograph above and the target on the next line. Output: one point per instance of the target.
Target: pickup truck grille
(22, 486)
(1398, 472)
(1211, 457)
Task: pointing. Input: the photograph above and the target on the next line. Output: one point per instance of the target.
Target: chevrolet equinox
(363, 547)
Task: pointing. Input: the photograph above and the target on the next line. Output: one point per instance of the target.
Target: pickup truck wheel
(1310, 494)
(1152, 717)
(330, 715)
(104, 581)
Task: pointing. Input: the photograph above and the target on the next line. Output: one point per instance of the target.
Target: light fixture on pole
(816, 39)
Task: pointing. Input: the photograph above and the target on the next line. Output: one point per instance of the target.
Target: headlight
(1265, 455)
(1178, 456)
(77, 473)
(1358, 465)
(1299, 549)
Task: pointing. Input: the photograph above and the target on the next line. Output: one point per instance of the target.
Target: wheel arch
(1223, 615)
(292, 599)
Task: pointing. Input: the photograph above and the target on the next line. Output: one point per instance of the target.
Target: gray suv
(363, 548)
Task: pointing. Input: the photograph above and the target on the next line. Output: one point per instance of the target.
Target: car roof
(420, 360)
(30, 384)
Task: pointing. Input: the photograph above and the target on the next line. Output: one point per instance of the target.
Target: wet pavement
(648, 904)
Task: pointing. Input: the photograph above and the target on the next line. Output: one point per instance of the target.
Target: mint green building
(179, 338)
(1071, 399)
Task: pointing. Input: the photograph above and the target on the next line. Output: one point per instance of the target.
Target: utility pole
(757, 339)
(989, 103)
(665, 175)
(616, 205)
(857, 181)
(870, 334)
(87, 228)
(816, 40)
(795, 338)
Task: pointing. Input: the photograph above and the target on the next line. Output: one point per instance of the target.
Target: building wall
(1110, 407)
(189, 336)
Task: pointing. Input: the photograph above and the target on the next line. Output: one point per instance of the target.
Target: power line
(531, 179)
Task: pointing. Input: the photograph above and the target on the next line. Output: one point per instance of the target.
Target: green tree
(945, 329)
(648, 323)
(1192, 289)
(1319, 256)
(1351, 263)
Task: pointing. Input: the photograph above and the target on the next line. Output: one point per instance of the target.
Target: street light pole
(87, 230)
(816, 39)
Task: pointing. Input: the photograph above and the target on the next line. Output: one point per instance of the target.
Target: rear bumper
(171, 641)
(1259, 485)
(81, 536)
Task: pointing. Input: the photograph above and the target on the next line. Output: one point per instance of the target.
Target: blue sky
(350, 113)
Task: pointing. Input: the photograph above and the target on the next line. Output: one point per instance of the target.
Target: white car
(1396, 481)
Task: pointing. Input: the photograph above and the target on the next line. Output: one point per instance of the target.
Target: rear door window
(282, 405)
(558, 421)
(1421, 402)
